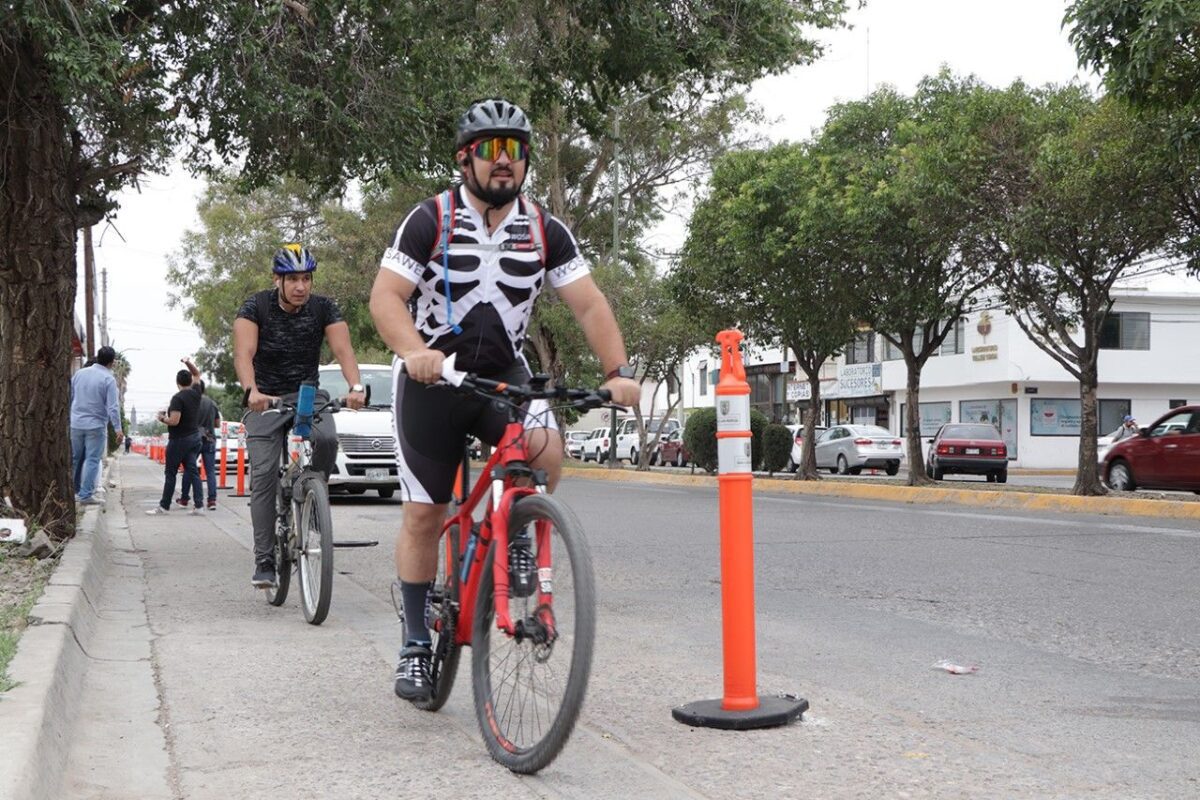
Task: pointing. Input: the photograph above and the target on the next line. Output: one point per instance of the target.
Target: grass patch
(21, 584)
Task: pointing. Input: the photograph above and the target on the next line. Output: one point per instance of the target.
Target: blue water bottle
(304, 409)
(469, 555)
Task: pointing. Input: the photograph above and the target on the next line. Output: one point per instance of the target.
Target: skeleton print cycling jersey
(494, 278)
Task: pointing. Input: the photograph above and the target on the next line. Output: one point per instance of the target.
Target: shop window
(1126, 330)
(955, 339)
(1112, 415)
(862, 349)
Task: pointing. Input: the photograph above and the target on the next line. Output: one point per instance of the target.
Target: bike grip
(449, 374)
(604, 394)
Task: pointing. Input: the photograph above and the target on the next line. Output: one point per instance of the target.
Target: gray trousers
(266, 438)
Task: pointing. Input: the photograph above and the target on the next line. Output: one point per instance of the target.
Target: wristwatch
(623, 371)
(358, 387)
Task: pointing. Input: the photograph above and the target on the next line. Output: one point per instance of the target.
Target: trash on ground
(12, 530)
(956, 669)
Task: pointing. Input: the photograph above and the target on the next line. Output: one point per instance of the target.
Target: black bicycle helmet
(493, 116)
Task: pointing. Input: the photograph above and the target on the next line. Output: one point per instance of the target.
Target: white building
(989, 370)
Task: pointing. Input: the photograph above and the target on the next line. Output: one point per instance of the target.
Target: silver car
(847, 449)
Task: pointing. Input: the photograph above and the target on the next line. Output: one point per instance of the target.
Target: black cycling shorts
(432, 423)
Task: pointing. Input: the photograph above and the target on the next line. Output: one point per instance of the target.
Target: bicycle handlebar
(536, 389)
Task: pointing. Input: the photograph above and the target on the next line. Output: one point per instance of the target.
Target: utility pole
(89, 293)
(616, 195)
(104, 307)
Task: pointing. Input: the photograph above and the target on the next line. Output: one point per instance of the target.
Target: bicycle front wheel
(314, 547)
(529, 687)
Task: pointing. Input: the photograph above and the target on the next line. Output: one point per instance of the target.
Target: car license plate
(972, 451)
(377, 473)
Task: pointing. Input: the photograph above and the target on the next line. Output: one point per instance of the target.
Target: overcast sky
(908, 39)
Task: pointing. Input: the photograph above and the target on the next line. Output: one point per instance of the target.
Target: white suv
(628, 441)
(595, 447)
(366, 438)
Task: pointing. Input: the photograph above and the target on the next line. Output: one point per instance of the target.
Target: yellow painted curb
(921, 495)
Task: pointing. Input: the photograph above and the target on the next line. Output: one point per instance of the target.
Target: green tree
(99, 93)
(1148, 52)
(1092, 195)
(761, 256)
(909, 173)
(659, 335)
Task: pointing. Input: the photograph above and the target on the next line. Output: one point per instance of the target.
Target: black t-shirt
(289, 345)
(187, 403)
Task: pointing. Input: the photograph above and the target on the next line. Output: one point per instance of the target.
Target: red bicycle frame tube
(494, 530)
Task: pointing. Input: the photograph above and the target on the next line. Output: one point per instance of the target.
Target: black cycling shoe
(414, 680)
(522, 567)
(264, 575)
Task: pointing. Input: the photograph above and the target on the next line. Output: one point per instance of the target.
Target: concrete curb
(50, 666)
(920, 495)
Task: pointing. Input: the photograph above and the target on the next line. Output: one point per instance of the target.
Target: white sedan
(848, 449)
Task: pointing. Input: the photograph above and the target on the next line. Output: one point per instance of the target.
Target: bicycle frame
(508, 462)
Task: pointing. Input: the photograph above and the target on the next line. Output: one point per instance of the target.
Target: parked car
(672, 450)
(366, 456)
(798, 445)
(847, 449)
(1165, 455)
(968, 448)
(573, 441)
(596, 446)
(628, 439)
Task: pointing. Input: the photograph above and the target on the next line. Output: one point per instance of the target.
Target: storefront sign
(985, 352)
(860, 380)
(798, 390)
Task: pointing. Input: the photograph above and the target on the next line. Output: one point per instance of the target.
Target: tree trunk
(912, 425)
(1087, 478)
(808, 450)
(37, 291)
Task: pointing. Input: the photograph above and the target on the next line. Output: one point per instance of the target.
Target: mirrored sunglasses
(490, 149)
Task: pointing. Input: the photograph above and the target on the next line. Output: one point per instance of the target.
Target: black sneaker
(264, 575)
(522, 568)
(414, 679)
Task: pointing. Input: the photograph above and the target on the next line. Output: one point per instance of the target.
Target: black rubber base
(771, 712)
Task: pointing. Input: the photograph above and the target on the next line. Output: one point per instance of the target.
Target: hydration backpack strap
(537, 228)
(445, 221)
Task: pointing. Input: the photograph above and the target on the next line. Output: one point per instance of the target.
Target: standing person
(128, 443)
(277, 340)
(183, 441)
(94, 405)
(1128, 429)
(473, 261)
(207, 420)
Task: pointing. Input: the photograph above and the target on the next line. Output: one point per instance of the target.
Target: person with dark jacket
(183, 441)
(207, 420)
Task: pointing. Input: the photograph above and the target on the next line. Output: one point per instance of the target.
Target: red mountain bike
(518, 588)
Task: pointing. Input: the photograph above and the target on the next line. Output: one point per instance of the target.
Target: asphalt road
(1085, 632)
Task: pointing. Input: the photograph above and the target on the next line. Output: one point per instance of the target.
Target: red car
(672, 450)
(1165, 455)
(969, 448)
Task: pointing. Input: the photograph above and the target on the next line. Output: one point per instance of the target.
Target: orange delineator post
(741, 707)
(241, 468)
(221, 468)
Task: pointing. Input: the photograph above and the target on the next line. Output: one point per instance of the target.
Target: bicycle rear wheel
(443, 618)
(314, 547)
(529, 688)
